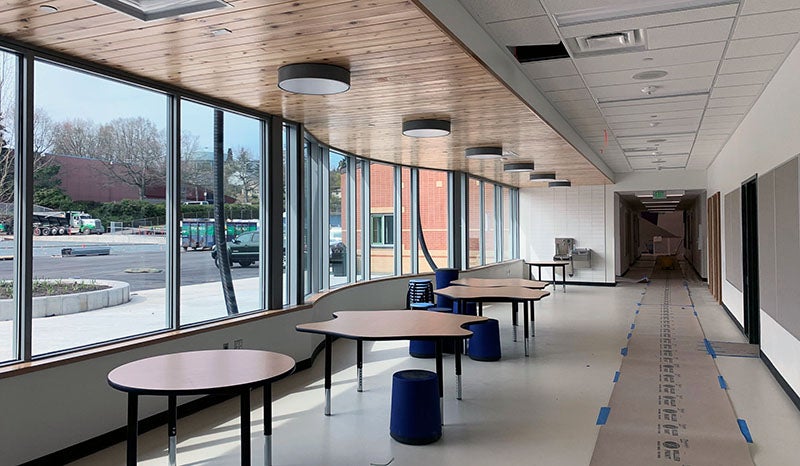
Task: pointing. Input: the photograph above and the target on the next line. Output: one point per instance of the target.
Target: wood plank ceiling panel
(403, 67)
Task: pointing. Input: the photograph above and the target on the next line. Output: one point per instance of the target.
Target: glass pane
(8, 119)
(405, 219)
(99, 209)
(359, 220)
(202, 276)
(489, 225)
(381, 201)
(286, 136)
(307, 216)
(433, 215)
(474, 229)
(339, 219)
(508, 248)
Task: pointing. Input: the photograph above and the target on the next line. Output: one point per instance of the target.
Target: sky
(66, 94)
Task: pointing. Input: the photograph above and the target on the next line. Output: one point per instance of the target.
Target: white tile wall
(576, 212)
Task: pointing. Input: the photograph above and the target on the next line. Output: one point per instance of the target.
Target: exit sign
(659, 194)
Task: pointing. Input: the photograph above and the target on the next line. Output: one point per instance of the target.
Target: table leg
(530, 272)
(328, 349)
(172, 427)
(440, 375)
(360, 363)
(480, 308)
(244, 403)
(564, 278)
(457, 351)
(133, 427)
(555, 284)
(514, 320)
(533, 318)
(268, 425)
(525, 318)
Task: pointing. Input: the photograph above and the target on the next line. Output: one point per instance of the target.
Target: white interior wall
(576, 212)
(767, 137)
(56, 408)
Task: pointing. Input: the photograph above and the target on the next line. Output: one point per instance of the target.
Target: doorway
(750, 260)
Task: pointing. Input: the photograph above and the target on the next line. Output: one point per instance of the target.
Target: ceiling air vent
(531, 53)
(613, 42)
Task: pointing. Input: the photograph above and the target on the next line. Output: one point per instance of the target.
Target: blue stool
(416, 418)
(443, 278)
(484, 344)
(472, 309)
(422, 348)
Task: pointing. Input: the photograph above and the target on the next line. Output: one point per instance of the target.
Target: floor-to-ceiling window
(406, 209)
(474, 229)
(381, 219)
(339, 219)
(508, 245)
(203, 277)
(433, 217)
(9, 102)
(490, 239)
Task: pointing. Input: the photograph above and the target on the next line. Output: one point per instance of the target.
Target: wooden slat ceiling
(403, 67)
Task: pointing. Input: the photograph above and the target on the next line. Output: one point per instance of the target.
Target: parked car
(242, 249)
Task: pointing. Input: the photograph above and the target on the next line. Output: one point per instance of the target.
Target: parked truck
(62, 223)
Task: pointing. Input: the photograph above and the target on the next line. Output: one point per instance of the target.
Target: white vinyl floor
(539, 410)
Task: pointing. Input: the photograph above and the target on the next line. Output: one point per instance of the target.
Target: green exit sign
(659, 194)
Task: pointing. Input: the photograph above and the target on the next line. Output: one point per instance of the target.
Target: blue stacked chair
(419, 291)
(484, 344)
(416, 418)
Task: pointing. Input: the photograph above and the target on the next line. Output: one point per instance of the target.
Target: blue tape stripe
(629, 335)
(603, 416)
(695, 313)
(633, 326)
(742, 426)
(722, 384)
(637, 311)
(624, 351)
(710, 348)
(616, 377)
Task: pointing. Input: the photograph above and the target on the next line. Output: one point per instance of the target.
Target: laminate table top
(393, 325)
(487, 294)
(495, 282)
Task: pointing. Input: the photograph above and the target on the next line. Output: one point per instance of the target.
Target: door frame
(750, 288)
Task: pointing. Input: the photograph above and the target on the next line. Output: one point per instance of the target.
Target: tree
(242, 173)
(196, 172)
(76, 137)
(133, 151)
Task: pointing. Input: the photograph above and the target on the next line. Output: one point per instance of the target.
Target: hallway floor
(539, 410)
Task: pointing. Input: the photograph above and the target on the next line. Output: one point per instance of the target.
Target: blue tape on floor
(616, 377)
(637, 311)
(695, 313)
(710, 348)
(633, 326)
(722, 384)
(624, 351)
(742, 426)
(603, 416)
(629, 335)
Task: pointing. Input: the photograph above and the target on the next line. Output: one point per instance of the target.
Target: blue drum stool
(416, 418)
(484, 344)
(472, 309)
(422, 348)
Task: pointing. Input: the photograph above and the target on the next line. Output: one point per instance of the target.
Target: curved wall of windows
(168, 178)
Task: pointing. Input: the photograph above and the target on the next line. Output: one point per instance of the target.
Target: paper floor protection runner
(669, 404)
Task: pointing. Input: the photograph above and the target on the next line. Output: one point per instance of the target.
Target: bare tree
(196, 173)
(76, 137)
(44, 132)
(243, 174)
(132, 150)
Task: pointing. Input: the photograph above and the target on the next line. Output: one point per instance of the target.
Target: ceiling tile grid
(704, 64)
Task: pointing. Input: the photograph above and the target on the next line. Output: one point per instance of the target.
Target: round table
(202, 372)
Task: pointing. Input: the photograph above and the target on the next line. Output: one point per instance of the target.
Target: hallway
(540, 410)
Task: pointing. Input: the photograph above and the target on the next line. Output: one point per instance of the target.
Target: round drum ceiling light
(647, 75)
(518, 167)
(426, 128)
(484, 152)
(313, 78)
(559, 184)
(542, 176)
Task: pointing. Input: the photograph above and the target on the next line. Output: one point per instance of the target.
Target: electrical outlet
(225, 345)
(237, 344)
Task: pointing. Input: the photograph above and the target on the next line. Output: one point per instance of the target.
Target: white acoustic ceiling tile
(637, 21)
(683, 71)
(764, 6)
(731, 101)
(578, 106)
(662, 115)
(569, 94)
(589, 120)
(549, 68)
(560, 83)
(524, 31)
(741, 79)
(630, 129)
(662, 88)
(760, 46)
(654, 108)
(660, 58)
(650, 162)
(688, 34)
(721, 119)
(743, 65)
(623, 133)
(712, 132)
(498, 10)
(768, 24)
(736, 91)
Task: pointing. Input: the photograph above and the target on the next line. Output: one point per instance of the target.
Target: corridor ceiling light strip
(640, 8)
(426, 128)
(487, 152)
(313, 78)
(149, 10)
